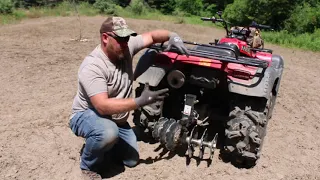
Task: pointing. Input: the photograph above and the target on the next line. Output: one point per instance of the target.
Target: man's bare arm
(156, 36)
(159, 36)
(108, 106)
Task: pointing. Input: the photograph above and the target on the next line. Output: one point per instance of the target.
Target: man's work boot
(90, 175)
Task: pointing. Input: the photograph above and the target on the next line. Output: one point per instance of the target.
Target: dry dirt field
(39, 62)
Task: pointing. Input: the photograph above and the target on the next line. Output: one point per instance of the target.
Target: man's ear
(104, 37)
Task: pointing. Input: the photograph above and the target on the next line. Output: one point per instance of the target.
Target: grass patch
(305, 41)
(65, 8)
(156, 15)
(16, 15)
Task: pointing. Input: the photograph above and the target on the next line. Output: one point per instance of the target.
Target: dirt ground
(39, 63)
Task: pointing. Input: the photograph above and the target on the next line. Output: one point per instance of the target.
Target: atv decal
(246, 49)
(205, 62)
(187, 110)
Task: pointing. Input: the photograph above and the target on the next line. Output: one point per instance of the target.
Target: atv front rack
(213, 55)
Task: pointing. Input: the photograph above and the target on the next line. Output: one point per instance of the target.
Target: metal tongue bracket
(189, 116)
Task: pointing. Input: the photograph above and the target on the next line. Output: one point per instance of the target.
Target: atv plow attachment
(192, 142)
(170, 134)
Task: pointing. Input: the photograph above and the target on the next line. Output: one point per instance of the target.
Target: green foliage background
(296, 22)
(295, 16)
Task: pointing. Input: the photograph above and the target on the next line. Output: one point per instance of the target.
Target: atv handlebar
(253, 24)
(260, 26)
(206, 19)
(213, 19)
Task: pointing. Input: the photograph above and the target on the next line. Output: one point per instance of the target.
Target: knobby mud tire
(245, 133)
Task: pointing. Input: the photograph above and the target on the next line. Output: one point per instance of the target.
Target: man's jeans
(104, 137)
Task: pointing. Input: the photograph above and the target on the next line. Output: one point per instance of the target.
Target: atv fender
(261, 86)
(277, 62)
(146, 71)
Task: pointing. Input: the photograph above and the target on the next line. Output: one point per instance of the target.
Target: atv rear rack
(212, 55)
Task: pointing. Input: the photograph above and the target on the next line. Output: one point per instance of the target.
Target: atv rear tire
(245, 133)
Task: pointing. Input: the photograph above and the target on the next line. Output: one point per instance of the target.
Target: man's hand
(148, 97)
(177, 42)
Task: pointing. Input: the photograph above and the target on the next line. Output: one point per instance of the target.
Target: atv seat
(230, 50)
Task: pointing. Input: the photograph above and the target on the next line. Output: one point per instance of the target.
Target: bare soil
(39, 63)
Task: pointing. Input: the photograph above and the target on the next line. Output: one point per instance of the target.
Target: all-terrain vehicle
(222, 95)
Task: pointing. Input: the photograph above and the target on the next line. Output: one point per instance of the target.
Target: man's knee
(106, 135)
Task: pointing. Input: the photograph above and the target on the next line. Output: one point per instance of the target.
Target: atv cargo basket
(216, 56)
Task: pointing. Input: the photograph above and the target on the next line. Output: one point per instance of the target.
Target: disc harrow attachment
(193, 142)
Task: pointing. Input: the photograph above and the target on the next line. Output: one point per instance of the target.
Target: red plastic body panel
(243, 47)
(229, 68)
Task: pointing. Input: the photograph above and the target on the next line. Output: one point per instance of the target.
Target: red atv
(221, 96)
(246, 40)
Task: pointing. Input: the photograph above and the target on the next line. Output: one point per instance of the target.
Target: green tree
(304, 18)
(165, 6)
(33, 3)
(123, 3)
(270, 12)
(237, 12)
(219, 4)
(105, 6)
(193, 7)
(138, 7)
(168, 6)
(6, 6)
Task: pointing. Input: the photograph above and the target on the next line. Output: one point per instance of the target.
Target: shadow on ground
(182, 151)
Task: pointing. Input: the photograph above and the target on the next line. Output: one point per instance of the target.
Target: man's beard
(117, 56)
(123, 55)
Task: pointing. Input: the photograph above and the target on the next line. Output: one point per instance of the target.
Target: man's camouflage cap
(117, 25)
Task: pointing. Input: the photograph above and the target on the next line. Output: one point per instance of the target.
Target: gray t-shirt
(98, 74)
